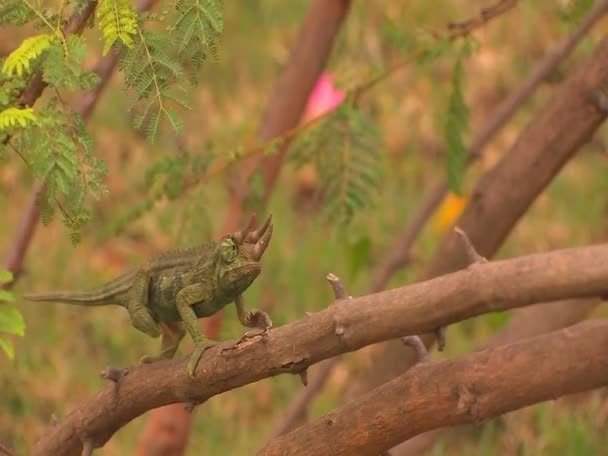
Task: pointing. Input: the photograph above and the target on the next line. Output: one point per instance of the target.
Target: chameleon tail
(82, 298)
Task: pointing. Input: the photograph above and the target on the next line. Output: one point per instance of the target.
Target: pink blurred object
(323, 98)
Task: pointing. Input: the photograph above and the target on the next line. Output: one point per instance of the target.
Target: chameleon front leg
(171, 335)
(187, 297)
(252, 319)
(137, 304)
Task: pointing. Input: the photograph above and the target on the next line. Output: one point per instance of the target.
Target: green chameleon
(174, 289)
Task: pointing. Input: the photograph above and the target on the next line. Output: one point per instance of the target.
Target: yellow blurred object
(447, 213)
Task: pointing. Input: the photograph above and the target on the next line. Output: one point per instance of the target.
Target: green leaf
(6, 296)
(456, 124)
(358, 255)
(7, 346)
(19, 61)
(6, 276)
(11, 321)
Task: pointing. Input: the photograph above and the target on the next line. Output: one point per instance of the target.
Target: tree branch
(504, 193)
(499, 118)
(365, 320)
(399, 255)
(468, 389)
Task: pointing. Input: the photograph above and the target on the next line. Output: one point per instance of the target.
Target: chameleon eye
(228, 250)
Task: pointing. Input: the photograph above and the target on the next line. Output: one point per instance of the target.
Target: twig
(416, 343)
(542, 149)
(367, 319)
(474, 257)
(15, 255)
(486, 14)
(440, 338)
(399, 257)
(468, 389)
(6, 450)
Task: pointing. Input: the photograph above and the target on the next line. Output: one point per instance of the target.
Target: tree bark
(468, 389)
(504, 193)
(345, 326)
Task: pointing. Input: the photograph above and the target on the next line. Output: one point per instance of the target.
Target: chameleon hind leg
(137, 304)
(184, 301)
(253, 318)
(171, 334)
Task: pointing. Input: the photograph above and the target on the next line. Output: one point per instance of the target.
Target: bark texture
(345, 326)
(469, 389)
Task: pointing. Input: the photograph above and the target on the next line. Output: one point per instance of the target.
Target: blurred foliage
(11, 320)
(160, 195)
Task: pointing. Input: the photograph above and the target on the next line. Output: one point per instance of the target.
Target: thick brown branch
(365, 320)
(505, 192)
(469, 389)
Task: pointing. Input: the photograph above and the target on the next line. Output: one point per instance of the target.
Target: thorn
(189, 407)
(416, 343)
(304, 377)
(87, 447)
(440, 336)
(113, 374)
(339, 331)
(336, 284)
(600, 100)
(54, 420)
(474, 257)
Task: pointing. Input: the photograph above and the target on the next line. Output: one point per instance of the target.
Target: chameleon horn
(255, 236)
(241, 235)
(260, 246)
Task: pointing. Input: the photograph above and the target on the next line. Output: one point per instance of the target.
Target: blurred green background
(58, 361)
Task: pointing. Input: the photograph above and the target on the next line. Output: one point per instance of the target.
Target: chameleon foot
(199, 349)
(142, 320)
(259, 319)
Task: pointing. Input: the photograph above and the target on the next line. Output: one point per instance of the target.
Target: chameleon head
(239, 255)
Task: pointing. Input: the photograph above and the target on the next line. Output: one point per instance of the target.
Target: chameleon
(166, 295)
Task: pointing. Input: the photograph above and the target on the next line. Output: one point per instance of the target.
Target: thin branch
(474, 257)
(499, 118)
(553, 136)
(366, 320)
(15, 255)
(469, 389)
(416, 343)
(485, 15)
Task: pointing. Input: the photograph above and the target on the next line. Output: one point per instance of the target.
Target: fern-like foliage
(19, 61)
(11, 320)
(157, 79)
(456, 125)
(346, 151)
(117, 20)
(16, 117)
(62, 66)
(59, 151)
(197, 26)
(15, 12)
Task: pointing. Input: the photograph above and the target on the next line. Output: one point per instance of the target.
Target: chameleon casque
(169, 293)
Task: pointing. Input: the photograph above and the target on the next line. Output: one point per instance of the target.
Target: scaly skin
(169, 293)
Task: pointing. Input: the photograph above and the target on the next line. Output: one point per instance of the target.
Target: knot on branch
(468, 401)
